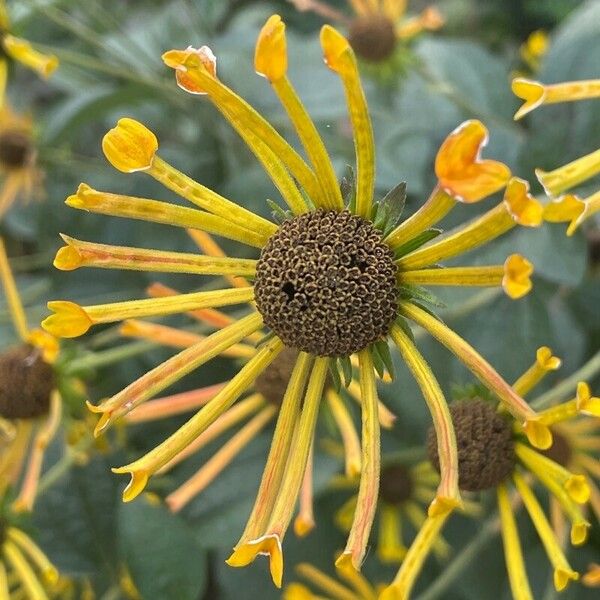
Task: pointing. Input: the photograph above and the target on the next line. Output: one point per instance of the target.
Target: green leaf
(383, 350)
(160, 552)
(416, 242)
(346, 367)
(416, 292)
(335, 376)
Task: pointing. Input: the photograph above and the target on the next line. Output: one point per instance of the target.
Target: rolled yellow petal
(347, 570)
(563, 178)
(15, 306)
(130, 146)
(270, 56)
(535, 94)
(563, 573)
(586, 403)
(117, 205)
(572, 208)
(78, 253)
(141, 469)
(172, 370)
(368, 490)
(521, 205)
(545, 362)
(347, 430)
(340, 58)
(516, 281)
(22, 51)
(401, 586)
(180, 497)
(71, 320)
(515, 565)
(390, 548)
(304, 522)
(448, 495)
(33, 551)
(25, 574)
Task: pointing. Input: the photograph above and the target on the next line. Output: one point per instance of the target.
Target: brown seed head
(16, 149)
(396, 484)
(372, 37)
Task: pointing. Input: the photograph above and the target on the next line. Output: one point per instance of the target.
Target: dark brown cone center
(326, 283)
(396, 484)
(16, 149)
(26, 382)
(486, 454)
(372, 37)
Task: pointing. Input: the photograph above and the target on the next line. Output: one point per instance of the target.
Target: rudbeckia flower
(494, 455)
(20, 175)
(336, 277)
(376, 26)
(20, 50)
(563, 207)
(356, 586)
(30, 405)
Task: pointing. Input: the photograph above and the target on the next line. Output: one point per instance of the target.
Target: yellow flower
(355, 587)
(494, 453)
(20, 50)
(30, 405)
(534, 49)
(20, 175)
(376, 26)
(336, 278)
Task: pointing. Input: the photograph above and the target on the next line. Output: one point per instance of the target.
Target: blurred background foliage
(110, 67)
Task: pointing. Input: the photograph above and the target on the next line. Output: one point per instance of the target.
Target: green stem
(462, 561)
(567, 386)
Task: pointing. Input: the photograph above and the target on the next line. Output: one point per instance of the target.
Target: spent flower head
(338, 276)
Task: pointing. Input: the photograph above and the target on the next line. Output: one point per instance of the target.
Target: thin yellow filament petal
(519, 583)
(448, 495)
(560, 180)
(117, 205)
(24, 572)
(32, 550)
(179, 498)
(22, 51)
(544, 363)
(12, 295)
(340, 58)
(325, 583)
(172, 370)
(141, 469)
(304, 522)
(347, 430)
(563, 572)
(404, 581)
(368, 491)
(71, 320)
(78, 253)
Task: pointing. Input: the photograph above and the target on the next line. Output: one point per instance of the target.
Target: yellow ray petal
(460, 170)
(71, 320)
(448, 495)
(179, 498)
(24, 572)
(538, 434)
(172, 370)
(130, 207)
(4, 586)
(196, 73)
(390, 548)
(519, 583)
(386, 417)
(141, 469)
(573, 209)
(404, 581)
(13, 298)
(586, 403)
(347, 430)
(270, 61)
(324, 582)
(22, 51)
(560, 180)
(340, 58)
(78, 253)
(352, 575)
(544, 363)
(535, 94)
(563, 572)
(304, 522)
(368, 491)
(35, 554)
(130, 146)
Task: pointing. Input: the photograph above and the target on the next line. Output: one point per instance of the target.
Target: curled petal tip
(546, 360)
(189, 64)
(531, 91)
(336, 48)
(517, 276)
(521, 205)
(303, 526)
(268, 544)
(68, 321)
(130, 146)
(136, 485)
(579, 533)
(538, 434)
(562, 578)
(270, 57)
(68, 257)
(586, 403)
(578, 489)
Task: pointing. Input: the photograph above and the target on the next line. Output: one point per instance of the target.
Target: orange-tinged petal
(517, 276)
(521, 205)
(195, 58)
(270, 58)
(335, 48)
(566, 208)
(592, 577)
(69, 319)
(270, 545)
(130, 146)
(531, 91)
(461, 171)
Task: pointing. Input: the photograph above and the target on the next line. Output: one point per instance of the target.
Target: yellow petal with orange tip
(517, 276)
(22, 51)
(270, 58)
(130, 146)
(521, 205)
(191, 58)
(531, 91)
(460, 170)
(336, 48)
(586, 403)
(68, 321)
(268, 545)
